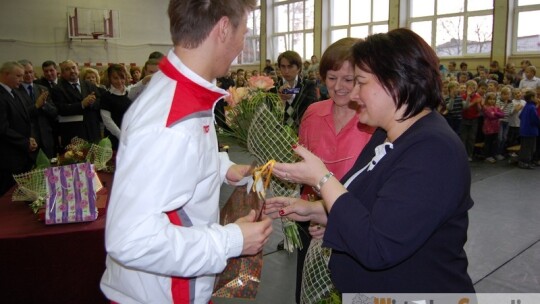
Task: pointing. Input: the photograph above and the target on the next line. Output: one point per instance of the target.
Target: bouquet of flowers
(255, 122)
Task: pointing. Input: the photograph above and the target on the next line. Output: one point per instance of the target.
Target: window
(357, 18)
(252, 45)
(526, 32)
(292, 27)
(454, 28)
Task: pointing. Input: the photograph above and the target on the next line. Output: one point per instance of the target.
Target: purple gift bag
(71, 194)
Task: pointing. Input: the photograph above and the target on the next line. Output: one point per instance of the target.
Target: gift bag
(241, 277)
(71, 193)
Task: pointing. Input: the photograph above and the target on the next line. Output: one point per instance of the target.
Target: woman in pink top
(330, 128)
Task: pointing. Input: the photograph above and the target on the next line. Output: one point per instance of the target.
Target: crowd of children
(495, 114)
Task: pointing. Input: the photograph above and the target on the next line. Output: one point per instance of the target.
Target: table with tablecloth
(51, 263)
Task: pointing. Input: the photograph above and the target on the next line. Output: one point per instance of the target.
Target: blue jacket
(529, 121)
(402, 226)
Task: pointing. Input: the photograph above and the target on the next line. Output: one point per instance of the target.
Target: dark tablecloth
(50, 263)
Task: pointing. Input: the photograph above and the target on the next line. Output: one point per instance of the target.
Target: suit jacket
(43, 119)
(302, 100)
(402, 225)
(15, 133)
(44, 82)
(68, 102)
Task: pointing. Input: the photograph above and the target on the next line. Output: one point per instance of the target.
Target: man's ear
(224, 28)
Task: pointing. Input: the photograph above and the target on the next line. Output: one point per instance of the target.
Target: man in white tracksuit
(163, 239)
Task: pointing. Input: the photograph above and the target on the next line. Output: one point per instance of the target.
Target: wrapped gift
(241, 277)
(71, 193)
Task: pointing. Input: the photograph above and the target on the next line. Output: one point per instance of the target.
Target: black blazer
(68, 102)
(43, 119)
(15, 133)
(44, 82)
(302, 100)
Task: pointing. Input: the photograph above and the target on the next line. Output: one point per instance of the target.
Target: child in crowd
(445, 88)
(482, 90)
(505, 104)
(492, 86)
(490, 128)
(136, 73)
(528, 130)
(530, 81)
(513, 119)
(462, 89)
(536, 157)
(454, 106)
(471, 112)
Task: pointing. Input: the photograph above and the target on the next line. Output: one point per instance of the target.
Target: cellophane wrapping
(241, 276)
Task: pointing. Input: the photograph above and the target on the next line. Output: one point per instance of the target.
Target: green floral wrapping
(31, 187)
(317, 286)
(269, 139)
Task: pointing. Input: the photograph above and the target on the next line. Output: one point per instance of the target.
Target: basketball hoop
(97, 34)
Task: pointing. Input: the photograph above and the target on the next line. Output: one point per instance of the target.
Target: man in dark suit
(42, 111)
(297, 93)
(50, 75)
(16, 141)
(78, 106)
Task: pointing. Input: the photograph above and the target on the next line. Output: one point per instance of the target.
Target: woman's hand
(295, 209)
(308, 171)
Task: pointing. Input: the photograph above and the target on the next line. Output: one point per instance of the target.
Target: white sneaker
(513, 154)
(499, 157)
(491, 160)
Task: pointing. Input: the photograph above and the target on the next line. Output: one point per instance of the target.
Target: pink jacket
(492, 115)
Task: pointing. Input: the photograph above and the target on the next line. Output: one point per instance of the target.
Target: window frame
(287, 36)
(254, 36)
(517, 9)
(466, 14)
(330, 28)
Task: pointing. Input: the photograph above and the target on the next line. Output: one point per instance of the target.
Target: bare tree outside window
(293, 27)
(458, 31)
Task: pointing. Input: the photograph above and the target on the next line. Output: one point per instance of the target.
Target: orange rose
(236, 95)
(261, 82)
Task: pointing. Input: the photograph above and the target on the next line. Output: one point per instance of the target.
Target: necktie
(76, 87)
(31, 92)
(289, 113)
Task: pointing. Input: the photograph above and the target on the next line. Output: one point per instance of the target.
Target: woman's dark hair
(116, 68)
(406, 67)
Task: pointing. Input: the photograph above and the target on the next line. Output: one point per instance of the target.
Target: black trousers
(528, 147)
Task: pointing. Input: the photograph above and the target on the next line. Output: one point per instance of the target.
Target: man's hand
(89, 100)
(238, 172)
(40, 101)
(256, 234)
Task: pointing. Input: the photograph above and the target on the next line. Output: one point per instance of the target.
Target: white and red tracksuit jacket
(163, 239)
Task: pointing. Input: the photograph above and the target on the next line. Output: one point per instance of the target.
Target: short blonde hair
(453, 85)
(86, 71)
(471, 83)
